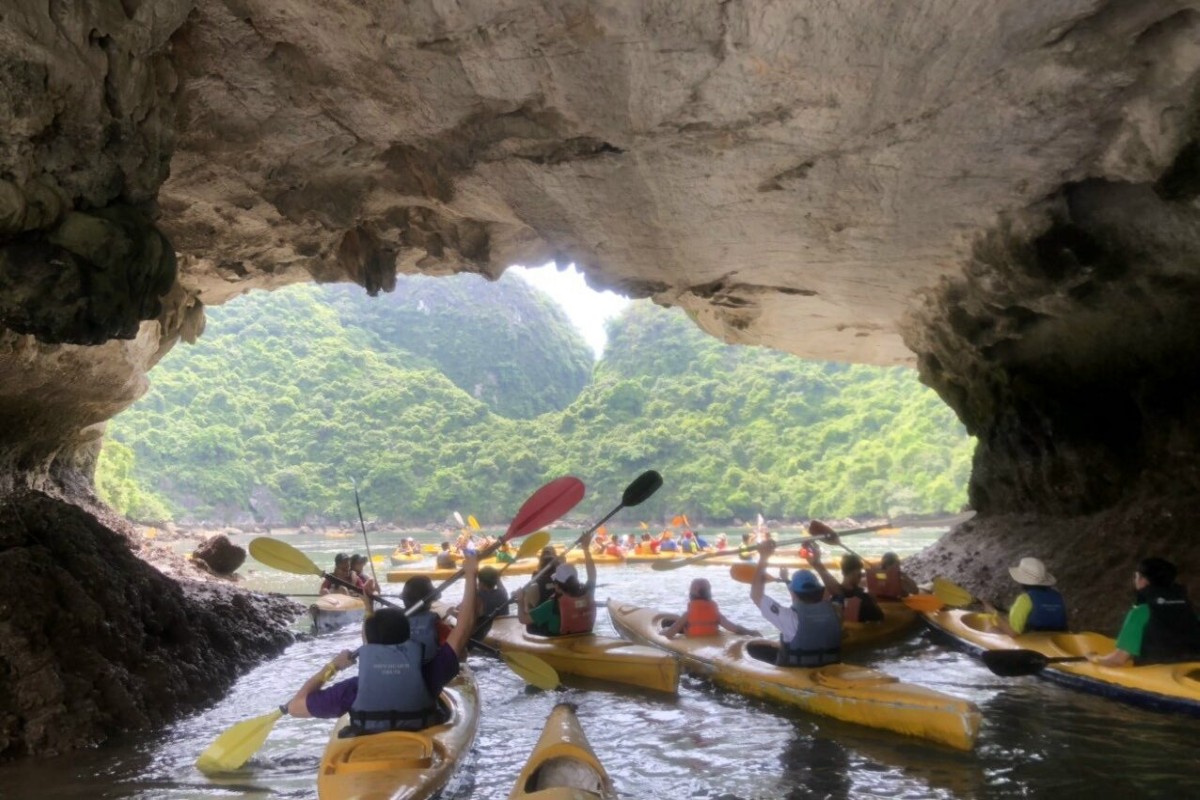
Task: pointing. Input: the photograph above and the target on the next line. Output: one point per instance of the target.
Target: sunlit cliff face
(1002, 195)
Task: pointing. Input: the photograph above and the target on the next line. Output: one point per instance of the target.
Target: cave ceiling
(822, 178)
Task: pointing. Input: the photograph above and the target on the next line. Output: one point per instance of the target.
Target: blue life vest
(422, 629)
(392, 695)
(1049, 610)
(818, 639)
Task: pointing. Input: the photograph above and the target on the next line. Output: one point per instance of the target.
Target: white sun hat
(1031, 572)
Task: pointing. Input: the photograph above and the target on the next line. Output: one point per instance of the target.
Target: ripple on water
(1038, 740)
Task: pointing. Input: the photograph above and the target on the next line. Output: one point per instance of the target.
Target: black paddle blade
(642, 487)
(1014, 663)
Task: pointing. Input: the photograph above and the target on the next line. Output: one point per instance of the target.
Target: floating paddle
(363, 525)
(933, 523)
(1015, 663)
(636, 493)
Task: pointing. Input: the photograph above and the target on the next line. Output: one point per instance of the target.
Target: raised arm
(465, 626)
(832, 585)
(760, 573)
(298, 705)
(588, 564)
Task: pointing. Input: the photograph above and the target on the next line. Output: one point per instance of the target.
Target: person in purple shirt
(377, 699)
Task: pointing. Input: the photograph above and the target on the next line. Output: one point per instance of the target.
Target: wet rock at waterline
(220, 555)
(94, 641)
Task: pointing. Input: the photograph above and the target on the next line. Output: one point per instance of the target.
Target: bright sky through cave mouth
(587, 308)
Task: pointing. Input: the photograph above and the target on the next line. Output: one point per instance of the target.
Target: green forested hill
(503, 343)
(290, 395)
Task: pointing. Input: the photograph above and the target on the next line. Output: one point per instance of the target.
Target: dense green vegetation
(290, 395)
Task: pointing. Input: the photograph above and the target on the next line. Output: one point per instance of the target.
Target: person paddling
(888, 581)
(1162, 627)
(425, 626)
(1039, 607)
(341, 569)
(571, 606)
(703, 617)
(395, 688)
(857, 605)
(493, 600)
(810, 631)
(445, 559)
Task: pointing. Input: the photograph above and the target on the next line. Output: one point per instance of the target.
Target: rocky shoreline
(104, 632)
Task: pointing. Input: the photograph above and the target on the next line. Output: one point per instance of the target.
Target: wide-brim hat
(1031, 572)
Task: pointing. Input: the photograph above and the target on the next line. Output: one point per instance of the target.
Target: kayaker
(395, 689)
(689, 544)
(425, 626)
(746, 551)
(888, 581)
(857, 605)
(722, 541)
(505, 554)
(492, 601)
(341, 569)
(358, 567)
(1162, 627)
(445, 559)
(810, 632)
(571, 607)
(702, 617)
(1039, 607)
(667, 543)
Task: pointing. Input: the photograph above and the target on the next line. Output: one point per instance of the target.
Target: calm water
(1038, 740)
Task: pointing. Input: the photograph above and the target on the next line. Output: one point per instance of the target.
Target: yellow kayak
(898, 619)
(399, 765)
(1163, 687)
(588, 655)
(576, 557)
(435, 574)
(842, 691)
(399, 558)
(333, 611)
(562, 765)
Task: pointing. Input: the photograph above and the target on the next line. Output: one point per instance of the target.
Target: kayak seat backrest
(977, 622)
(848, 676)
(1188, 675)
(565, 771)
(1080, 644)
(392, 750)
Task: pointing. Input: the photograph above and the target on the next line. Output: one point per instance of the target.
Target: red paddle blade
(546, 505)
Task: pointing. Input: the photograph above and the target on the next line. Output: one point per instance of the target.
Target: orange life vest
(703, 618)
(885, 583)
(576, 614)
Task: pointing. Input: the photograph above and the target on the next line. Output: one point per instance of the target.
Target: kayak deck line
(1168, 688)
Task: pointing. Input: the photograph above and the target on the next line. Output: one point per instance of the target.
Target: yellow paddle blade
(951, 593)
(532, 670)
(474, 523)
(532, 544)
(235, 746)
(925, 603)
(282, 556)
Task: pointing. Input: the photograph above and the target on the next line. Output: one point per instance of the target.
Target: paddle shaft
(576, 543)
(362, 524)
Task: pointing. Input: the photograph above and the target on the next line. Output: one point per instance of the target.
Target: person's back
(392, 694)
(1170, 631)
(817, 640)
(423, 624)
(445, 559)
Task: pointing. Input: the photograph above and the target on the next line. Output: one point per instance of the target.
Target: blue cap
(804, 581)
